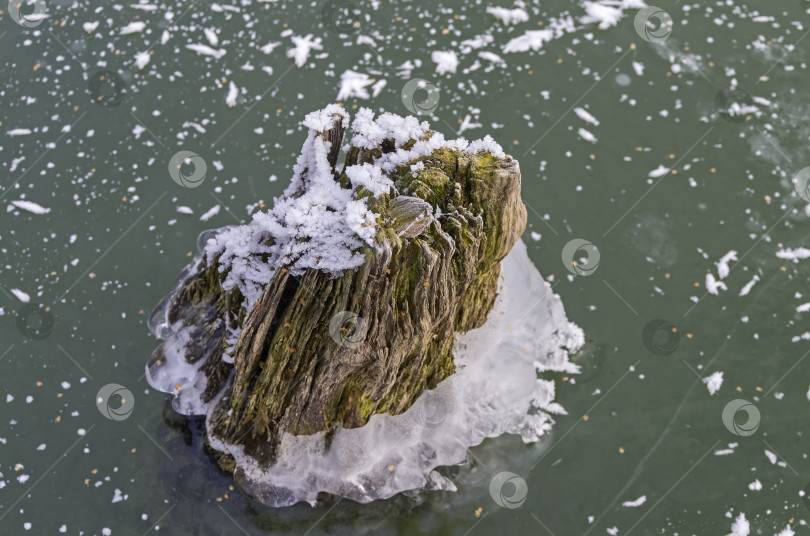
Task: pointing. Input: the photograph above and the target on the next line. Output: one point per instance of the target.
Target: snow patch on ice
(714, 382)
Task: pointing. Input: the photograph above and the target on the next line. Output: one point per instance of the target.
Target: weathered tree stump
(321, 349)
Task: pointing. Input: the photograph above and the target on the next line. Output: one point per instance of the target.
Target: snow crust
(316, 223)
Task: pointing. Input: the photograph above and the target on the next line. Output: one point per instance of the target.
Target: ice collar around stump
(313, 337)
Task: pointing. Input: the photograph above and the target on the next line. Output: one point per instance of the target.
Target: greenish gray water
(638, 423)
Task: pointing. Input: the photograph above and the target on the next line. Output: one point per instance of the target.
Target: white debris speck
(722, 264)
(30, 206)
(20, 295)
(90, 27)
(771, 456)
(713, 382)
(446, 61)
(133, 27)
(19, 132)
(638, 502)
(508, 16)
(269, 47)
(205, 50)
(583, 114)
(797, 254)
(586, 135)
(602, 12)
(353, 85)
(748, 286)
(303, 46)
(713, 286)
(211, 35)
(491, 57)
(756, 485)
(660, 171)
(142, 59)
(233, 93)
(213, 211)
(531, 40)
(740, 526)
